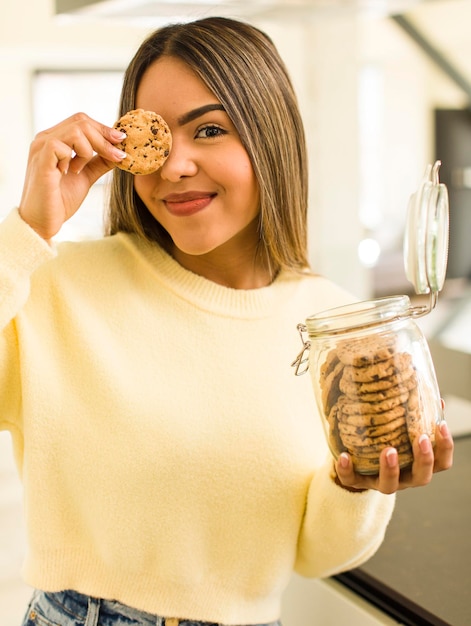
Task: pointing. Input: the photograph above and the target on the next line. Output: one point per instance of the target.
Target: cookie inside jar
(374, 394)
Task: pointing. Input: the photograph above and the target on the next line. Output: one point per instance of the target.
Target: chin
(192, 250)
(196, 246)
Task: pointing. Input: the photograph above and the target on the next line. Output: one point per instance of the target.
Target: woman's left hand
(427, 461)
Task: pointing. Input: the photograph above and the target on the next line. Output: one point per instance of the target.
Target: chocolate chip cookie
(147, 144)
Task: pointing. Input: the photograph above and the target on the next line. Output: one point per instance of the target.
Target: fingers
(73, 143)
(63, 155)
(387, 481)
(94, 142)
(389, 471)
(422, 469)
(64, 162)
(428, 459)
(348, 478)
(443, 448)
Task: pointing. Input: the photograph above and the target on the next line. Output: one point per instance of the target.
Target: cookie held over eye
(147, 144)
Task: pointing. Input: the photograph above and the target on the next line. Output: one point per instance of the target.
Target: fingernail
(424, 444)
(118, 134)
(344, 460)
(444, 430)
(119, 153)
(391, 458)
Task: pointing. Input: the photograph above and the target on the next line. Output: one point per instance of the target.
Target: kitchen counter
(421, 575)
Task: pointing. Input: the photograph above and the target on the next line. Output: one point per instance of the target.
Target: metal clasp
(301, 362)
(419, 311)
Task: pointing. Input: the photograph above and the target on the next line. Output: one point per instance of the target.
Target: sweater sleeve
(341, 529)
(21, 252)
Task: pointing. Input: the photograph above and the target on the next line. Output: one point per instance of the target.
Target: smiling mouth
(183, 206)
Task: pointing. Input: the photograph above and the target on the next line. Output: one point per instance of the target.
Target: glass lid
(426, 236)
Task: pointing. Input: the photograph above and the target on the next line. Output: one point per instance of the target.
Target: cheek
(249, 175)
(145, 186)
(251, 184)
(243, 175)
(141, 186)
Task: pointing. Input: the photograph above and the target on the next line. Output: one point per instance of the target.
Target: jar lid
(426, 236)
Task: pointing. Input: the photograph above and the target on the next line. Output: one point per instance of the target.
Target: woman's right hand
(63, 164)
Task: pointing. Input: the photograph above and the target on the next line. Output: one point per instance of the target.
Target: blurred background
(384, 87)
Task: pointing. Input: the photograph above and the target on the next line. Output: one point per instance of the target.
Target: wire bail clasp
(301, 362)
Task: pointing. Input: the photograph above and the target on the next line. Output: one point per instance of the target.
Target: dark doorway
(453, 149)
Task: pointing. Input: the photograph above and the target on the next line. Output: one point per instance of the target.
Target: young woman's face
(206, 195)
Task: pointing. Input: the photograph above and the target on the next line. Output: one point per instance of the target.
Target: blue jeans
(69, 608)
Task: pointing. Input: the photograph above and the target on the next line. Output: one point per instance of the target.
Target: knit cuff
(21, 248)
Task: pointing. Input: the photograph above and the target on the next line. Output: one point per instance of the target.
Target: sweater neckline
(206, 294)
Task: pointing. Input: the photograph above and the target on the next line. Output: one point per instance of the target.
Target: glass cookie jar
(369, 362)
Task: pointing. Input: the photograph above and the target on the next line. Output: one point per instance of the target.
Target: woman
(175, 471)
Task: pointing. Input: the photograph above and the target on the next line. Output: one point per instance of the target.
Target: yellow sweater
(170, 458)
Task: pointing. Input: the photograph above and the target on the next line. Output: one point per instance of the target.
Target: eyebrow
(195, 113)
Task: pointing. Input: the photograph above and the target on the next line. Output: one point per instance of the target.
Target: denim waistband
(70, 608)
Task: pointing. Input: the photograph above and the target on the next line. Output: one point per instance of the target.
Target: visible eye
(209, 132)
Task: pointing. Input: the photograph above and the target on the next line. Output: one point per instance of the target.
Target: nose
(180, 163)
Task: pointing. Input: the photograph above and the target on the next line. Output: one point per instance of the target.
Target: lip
(188, 203)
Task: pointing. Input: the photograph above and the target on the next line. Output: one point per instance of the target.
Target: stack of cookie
(370, 398)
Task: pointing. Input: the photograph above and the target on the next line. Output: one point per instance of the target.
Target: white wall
(325, 74)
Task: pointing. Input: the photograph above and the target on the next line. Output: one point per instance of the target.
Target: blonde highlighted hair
(241, 66)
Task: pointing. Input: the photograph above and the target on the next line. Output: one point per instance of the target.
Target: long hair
(241, 66)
